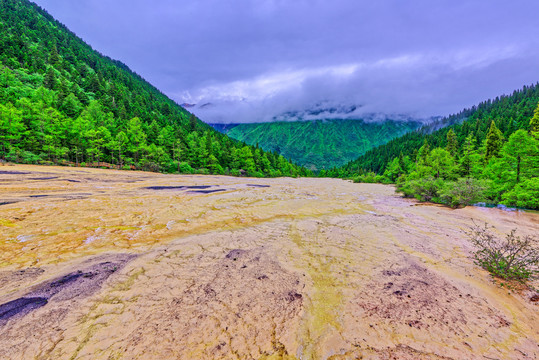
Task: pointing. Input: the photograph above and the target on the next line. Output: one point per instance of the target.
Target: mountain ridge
(510, 112)
(63, 102)
(318, 144)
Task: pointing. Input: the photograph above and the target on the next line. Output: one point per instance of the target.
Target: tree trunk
(518, 168)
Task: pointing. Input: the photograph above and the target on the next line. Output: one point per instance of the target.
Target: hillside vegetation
(509, 112)
(320, 144)
(492, 156)
(62, 102)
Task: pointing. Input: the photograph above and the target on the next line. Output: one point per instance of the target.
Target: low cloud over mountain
(255, 60)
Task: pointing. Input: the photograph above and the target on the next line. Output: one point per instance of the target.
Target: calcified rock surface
(101, 264)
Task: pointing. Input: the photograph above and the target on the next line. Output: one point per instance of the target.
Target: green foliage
(369, 178)
(464, 191)
(511, 178)
(534, 122)
(423, 189)
(470, 159)
(503, 169)
(512, 258)
(62, 102)
(320, 144)
(442, 163)
(509, 112)
(494, 141)
(525, 194)
(452, 143)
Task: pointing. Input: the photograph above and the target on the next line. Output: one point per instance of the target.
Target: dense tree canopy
(500, 170)
(62, 102)
(508, 112)
(321, 144)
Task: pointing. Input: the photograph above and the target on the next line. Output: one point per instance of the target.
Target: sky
(255, 60)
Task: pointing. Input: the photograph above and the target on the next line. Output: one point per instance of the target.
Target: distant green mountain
(63, 102)
(319, 144)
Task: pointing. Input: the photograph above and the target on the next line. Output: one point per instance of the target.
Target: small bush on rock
(512, 258)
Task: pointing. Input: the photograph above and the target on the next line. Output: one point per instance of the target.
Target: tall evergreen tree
(520, 146)
(534, 123)
(54, 58)
(192, 122)
(50, 79)
(423, 153)
(452, 143)
(494, 141)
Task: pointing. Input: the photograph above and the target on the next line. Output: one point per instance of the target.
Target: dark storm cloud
(255, 59)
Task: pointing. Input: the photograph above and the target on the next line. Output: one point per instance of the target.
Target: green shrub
(424, 189)
(525, 194)
(369, 177)
(464, 191)
(185, 168)
(512, 258)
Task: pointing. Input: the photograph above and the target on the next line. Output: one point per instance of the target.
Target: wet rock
(13, 172)
(20, 306)
(7, 202)
(77, 284)
(206, 191)
(182, 187)
(235, 254)
(45, 178)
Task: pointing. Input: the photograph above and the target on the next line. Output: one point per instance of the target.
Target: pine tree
(193, 122)
(452, 143)
(54, 58)
(50, 79)
(468, 152)
(494, 142)
(423, 152)
(534, 124)
(520, 146)
(71, 106)
(402, 164)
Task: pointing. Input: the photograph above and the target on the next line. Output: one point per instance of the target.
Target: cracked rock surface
(104, 264)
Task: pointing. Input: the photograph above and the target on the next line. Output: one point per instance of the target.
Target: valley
(107, 264)
(132, 229)
(319, 144)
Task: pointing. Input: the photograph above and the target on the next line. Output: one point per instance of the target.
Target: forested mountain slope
(320, 144)
(63, 102)
(509, 112)
(492, 156)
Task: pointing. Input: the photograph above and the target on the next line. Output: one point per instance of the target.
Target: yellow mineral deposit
(103, 264)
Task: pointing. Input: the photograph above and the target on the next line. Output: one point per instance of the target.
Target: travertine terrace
(104, 264)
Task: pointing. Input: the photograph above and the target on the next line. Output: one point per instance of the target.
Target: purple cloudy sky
(255, 59)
